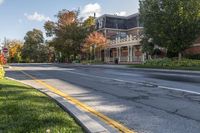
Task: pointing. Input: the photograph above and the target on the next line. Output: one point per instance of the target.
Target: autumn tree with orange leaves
(94, 43)
(66, 17)
(15, 48)
(2, 59)
(67, 34)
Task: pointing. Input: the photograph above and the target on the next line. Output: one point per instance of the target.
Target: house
(123, 34)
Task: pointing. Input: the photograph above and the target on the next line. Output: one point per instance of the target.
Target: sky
(19, 16)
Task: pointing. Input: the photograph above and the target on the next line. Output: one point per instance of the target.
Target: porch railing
(128, 39)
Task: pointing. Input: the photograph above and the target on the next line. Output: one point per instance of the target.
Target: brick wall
(193, 50)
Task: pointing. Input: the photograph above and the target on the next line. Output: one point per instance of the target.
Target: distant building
(194, 49)
(123, 34)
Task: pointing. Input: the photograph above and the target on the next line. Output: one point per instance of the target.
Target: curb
(88, 124)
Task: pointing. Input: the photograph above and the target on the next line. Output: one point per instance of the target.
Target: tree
(2, 59)
(173, 24)
(49, 26)
(15, 49)
(68, 34)
(95, 41)
(33, 46)
(147, 47)
(66, 17)
(89, 23)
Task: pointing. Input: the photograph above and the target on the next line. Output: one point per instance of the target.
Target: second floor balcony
(129, 40)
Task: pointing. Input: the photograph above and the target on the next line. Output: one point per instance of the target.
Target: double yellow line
(83, 106)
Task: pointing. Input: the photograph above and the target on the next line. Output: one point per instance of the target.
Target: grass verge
(24, 109)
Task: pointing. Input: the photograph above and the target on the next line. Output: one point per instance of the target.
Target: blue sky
(19, 16)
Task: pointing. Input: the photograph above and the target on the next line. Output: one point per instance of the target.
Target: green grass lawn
(26, 110)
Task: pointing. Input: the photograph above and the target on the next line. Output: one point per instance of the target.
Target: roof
(116, 16)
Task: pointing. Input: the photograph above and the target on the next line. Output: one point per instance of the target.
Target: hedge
(172, 63)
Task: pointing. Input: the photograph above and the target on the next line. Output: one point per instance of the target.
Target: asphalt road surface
(146, 101)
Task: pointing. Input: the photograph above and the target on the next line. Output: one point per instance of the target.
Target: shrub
(172, 63)
(91, 62)
(2, 73)
(196, 56)
(2, 62)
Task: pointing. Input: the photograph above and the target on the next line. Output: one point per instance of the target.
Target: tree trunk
(179, 56)
(94, 53)
(99, 54)
(74, 56)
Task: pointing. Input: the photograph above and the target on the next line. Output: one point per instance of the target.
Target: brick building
(123, 34)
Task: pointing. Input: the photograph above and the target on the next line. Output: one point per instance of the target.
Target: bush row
(172, 63)
(196, 56)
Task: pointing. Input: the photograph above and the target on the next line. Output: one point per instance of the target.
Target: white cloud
(36, 17)
(90, 9)
(122, 13)
(1, 2)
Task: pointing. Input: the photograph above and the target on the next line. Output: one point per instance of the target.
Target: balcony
(132, 40)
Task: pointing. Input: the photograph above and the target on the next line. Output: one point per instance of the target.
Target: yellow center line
(83, 106)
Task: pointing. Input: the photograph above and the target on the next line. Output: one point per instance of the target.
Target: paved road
(141, 100)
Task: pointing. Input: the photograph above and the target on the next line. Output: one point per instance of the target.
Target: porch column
(119, 54)
(128, 54)
(117, 49)
(143, 57)
(131, 53)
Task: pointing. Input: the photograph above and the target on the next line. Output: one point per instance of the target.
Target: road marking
(119, 80)
(139, 83)
(83, 106)
(176, 89)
